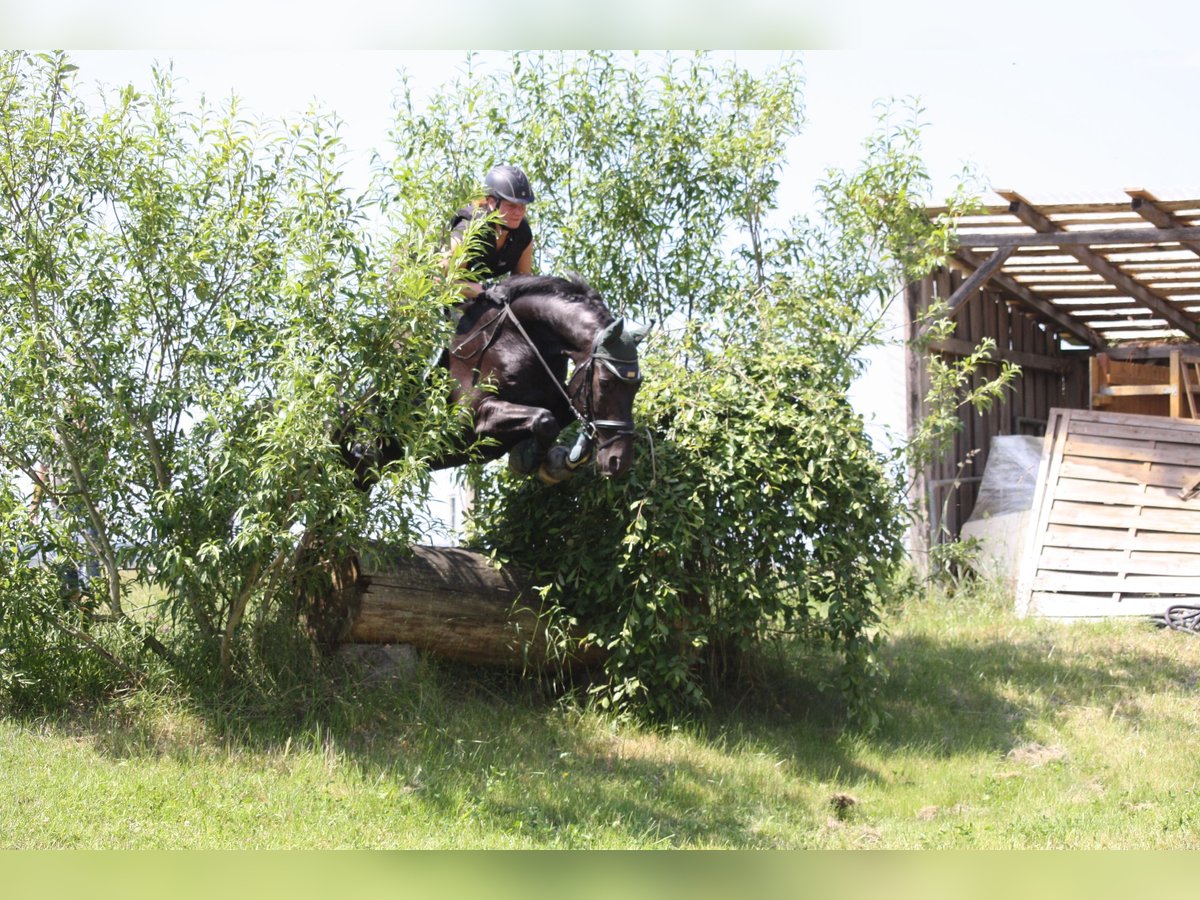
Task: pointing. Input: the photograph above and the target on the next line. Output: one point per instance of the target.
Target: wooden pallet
(1147, 388)
(1116, 517)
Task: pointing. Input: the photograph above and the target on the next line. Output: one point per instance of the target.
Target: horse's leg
(365, 460)
(511, 424)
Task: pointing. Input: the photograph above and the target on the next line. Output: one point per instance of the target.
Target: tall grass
(997, 733)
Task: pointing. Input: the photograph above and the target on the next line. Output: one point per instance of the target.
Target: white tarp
(1001, 516)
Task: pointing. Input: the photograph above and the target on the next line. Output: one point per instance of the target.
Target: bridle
(626, 370)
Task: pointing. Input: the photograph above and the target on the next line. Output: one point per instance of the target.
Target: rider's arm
(525, 263)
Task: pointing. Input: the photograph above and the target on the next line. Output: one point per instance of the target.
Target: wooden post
(1098, 380)
(916, 298)
(1177, 383)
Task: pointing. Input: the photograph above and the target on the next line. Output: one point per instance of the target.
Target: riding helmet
(509, 183)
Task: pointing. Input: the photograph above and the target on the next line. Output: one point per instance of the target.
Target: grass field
(998, 733)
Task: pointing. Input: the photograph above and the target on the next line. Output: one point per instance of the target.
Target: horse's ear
(609, 334)
(621, 338)
(637, 333)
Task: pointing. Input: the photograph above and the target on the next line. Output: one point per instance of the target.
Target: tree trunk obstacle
(451, 602)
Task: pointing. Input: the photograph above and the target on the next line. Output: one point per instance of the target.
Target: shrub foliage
(192, 302)
(195, 303)
(756, 507)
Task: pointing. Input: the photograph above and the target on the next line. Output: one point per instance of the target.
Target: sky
(1085, 127)
(1031, 96)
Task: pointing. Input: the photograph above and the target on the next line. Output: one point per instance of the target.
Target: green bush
(192, 303)
(52, 652)
(756, 505)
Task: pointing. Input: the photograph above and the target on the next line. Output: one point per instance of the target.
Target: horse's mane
(572, 288)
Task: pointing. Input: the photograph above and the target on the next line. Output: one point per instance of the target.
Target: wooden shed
(1099, 303)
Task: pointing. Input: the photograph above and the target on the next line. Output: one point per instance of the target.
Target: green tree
(192, 302)
(647, 176)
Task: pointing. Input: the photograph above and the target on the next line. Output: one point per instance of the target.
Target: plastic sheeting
(1000, 520)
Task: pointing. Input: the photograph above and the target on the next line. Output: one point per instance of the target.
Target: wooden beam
(1141, 314)
(1138, 352)
(1137, 390)
(1109, 292)
(1061, 318)
(1118, 219)
(1062, 279)
(1165, 266)
(1177, 397)
(976, 280)
(1065, 239)
(1135, 289)
(1056, 209)
(1021, 264)
(1086, 310)
(959, 347)
(1150, 325)
(1147, 206)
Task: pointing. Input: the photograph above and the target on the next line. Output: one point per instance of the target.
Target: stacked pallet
(1116, 526)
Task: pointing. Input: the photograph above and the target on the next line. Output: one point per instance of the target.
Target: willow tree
(192, 302)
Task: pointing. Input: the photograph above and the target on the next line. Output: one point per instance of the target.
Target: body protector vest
(487, 261)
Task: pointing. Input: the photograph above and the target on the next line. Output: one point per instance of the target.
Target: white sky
(1090, 125)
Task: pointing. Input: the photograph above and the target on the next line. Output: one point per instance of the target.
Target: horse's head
(605, 399)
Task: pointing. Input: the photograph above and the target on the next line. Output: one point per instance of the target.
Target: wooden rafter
(1108, 291)
(1061, 318)
(1149, 208)
(1069, 241)
(977, 279)
(1061, 210)
(1032, 217)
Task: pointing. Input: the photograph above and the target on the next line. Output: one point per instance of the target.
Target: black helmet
(509, 183)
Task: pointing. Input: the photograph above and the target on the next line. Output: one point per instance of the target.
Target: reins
(498, 318)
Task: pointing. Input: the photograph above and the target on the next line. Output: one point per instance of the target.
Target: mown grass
(998, 733)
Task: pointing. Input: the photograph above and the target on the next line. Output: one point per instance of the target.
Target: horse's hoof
(523, 459)
(554, 468)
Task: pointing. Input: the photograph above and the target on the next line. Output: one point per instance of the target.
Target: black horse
(508, 362)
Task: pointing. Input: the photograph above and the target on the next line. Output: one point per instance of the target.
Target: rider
(507, 247)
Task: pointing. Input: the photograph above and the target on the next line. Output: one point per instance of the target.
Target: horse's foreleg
(510, 423)
(528, 431)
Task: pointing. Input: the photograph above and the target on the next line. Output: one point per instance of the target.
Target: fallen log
(447, 601)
